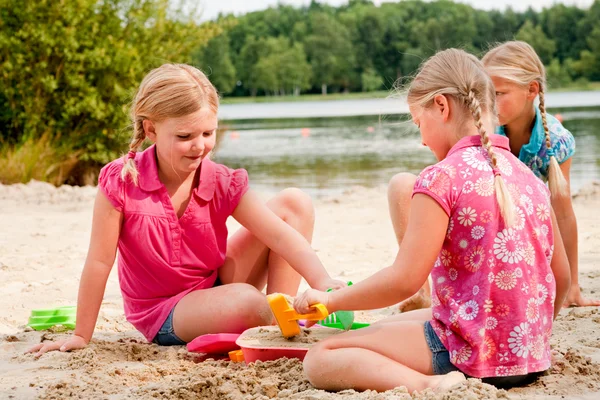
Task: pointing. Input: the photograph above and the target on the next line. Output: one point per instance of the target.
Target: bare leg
(249, 260)
(385, 362)
(399, 197)
(249, 266)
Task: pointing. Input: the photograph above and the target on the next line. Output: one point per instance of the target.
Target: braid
(556, 179)
(129, 168)
(502, 195)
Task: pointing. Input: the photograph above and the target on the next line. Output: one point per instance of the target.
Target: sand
(43, 243)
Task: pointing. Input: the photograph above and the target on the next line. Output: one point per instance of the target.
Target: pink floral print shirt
(493, 289)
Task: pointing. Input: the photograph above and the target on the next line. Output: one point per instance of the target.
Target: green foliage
(215, 60)
(557, 75)
(370, 81)
(535, 36)
(70, 68)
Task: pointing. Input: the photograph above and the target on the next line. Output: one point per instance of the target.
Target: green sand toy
(342, 319)
(47, 318)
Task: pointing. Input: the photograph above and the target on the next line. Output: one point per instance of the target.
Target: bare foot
(419, 300)
(576, 299)
(449, 380)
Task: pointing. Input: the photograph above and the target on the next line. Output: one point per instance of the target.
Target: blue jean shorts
(442, 365)
(440, 355)
(166, 334)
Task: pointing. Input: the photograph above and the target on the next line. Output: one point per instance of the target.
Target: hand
(303, 303)
(329, 283)
(73, 343)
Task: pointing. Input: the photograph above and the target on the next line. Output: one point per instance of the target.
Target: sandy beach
(43, 243)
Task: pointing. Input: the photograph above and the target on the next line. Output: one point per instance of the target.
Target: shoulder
(561, 139)
(225, 176)
(111, 172)
(436, 178)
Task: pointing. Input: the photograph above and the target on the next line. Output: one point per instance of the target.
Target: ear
(533, 90)
(149, 130)
(442, 106)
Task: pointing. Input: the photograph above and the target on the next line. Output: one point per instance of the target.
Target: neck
(171, 178)
(521, 126)
(519, 130)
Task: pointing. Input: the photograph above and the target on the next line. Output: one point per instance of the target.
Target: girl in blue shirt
(537, 138)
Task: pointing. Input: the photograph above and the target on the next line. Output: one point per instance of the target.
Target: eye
(208, 134)
(499, 93)
(183, 137)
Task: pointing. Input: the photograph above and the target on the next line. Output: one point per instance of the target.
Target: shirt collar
(475, 140)
(537, 135)
(149, 181)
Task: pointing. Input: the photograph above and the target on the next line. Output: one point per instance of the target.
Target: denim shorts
(442, 365)
(166, 334)
(440, 355)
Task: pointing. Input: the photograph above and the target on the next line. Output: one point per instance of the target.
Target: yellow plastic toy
(287, 318)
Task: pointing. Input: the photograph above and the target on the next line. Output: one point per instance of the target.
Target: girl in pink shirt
(165, 209)
(481, 224)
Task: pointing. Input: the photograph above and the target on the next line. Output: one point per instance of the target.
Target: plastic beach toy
(41, 319)
(287, 318)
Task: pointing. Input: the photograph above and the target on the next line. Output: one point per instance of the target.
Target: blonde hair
(518, 62)
(461, 76)
(169, 91)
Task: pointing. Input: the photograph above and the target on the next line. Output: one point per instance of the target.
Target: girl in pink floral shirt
(481, 224)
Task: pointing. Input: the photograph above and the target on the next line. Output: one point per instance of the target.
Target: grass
(575, 86)
(39, 159)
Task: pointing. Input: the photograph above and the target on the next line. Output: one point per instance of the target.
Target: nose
(198, 144)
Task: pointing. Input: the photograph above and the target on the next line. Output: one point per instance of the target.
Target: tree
(370, 81)
(544, 47)
(69, 69)
(561, 23)
(329, 50)
(215, 60)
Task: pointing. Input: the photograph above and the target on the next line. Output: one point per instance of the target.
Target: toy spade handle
(318, 314)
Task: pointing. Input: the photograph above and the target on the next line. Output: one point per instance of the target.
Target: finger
(70, 345)
(35, 348)
(310, 323)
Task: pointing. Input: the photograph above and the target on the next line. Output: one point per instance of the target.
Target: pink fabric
(493, 289)
(163, 258)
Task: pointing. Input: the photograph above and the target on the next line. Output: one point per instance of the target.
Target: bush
(70, 68)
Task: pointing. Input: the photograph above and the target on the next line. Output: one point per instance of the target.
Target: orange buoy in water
(370, 129)
(234, 135)
(305, 132)
(559, 117)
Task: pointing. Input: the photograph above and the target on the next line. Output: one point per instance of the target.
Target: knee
(401, 186)
(296, 202)
(253, 305)
(314, 364)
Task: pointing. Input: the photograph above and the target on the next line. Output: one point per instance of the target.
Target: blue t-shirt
(535, 154)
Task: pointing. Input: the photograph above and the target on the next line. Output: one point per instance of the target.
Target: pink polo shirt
(163, 258)
(493, 289)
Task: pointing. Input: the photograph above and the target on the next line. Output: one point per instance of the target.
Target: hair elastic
(131, 155)
(496, 171)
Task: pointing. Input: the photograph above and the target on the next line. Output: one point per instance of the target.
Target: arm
(278, 236)
(424, 237)
(106, 227)
(560, 268)
(567, 223)
(567, 230)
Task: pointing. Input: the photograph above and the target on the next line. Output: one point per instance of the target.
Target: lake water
(324, 156)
